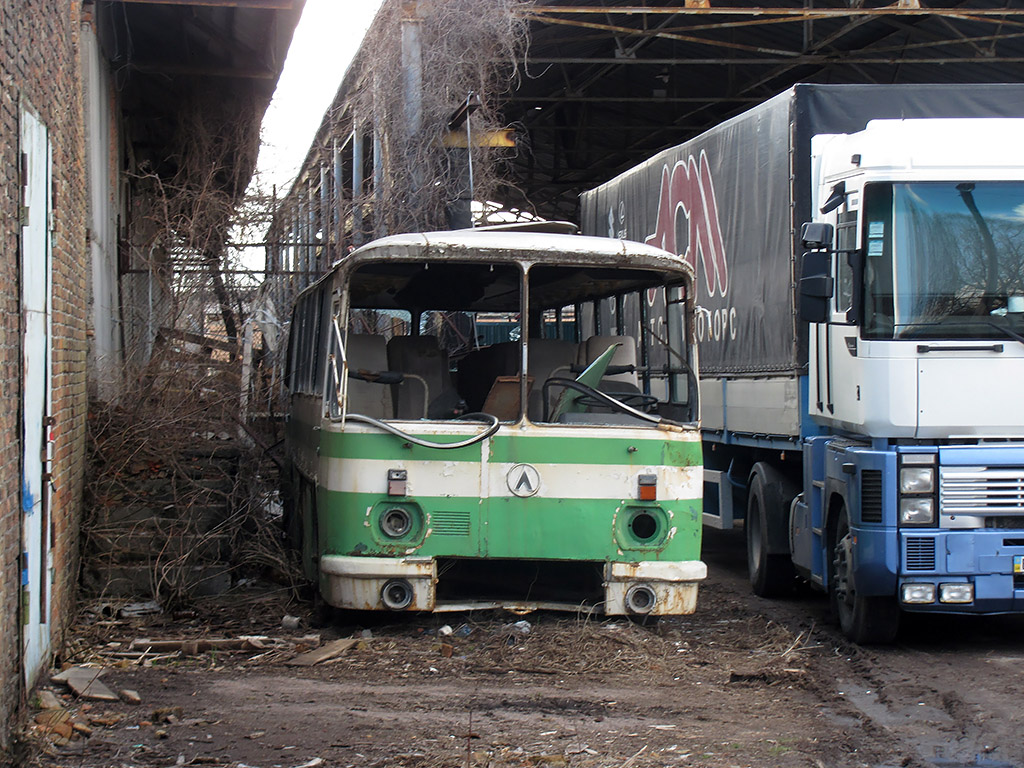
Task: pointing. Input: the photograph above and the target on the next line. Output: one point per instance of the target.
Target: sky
(326, 39)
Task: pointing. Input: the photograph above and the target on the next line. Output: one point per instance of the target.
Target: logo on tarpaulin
(688, 187)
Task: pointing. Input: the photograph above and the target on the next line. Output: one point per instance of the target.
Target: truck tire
(767, 527)
(864, 620)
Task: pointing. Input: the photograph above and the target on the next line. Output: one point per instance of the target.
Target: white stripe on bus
(463, 479)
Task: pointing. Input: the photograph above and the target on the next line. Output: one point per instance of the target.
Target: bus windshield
(944, 260)
(502, 338)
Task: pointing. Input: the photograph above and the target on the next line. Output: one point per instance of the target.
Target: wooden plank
(328, 651)
(85, 683)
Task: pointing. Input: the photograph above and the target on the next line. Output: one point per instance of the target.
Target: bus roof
(500, 245)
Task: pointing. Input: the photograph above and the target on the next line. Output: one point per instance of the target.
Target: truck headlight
(917, 480)
(917, 511)
(957, 592)
(917, 593)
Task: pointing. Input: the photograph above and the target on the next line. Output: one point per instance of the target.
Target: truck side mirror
(816, 235)
(816, 286)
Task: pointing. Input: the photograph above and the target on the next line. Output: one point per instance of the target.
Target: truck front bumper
(410, 584)
(990, 561)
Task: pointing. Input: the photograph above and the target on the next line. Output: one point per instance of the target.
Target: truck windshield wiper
(1006, 331)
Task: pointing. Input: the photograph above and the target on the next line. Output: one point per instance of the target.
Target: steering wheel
(591, 396)
(636, 400)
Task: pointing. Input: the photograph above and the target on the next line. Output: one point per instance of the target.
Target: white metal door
(36, 394)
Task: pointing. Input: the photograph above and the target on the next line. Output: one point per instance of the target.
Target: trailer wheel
(768, 501)
(864, 620)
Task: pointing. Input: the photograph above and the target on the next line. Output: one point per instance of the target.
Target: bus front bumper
(648, 587)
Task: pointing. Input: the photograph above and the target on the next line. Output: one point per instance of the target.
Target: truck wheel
(771, 573)
(863, 620)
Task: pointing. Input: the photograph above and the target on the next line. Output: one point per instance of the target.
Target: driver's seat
(625, 354)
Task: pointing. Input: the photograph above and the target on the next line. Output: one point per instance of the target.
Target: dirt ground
(743, 682)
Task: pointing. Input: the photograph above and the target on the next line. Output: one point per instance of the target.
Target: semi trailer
(859, 252)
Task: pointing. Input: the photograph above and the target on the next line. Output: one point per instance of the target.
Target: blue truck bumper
(991, 561)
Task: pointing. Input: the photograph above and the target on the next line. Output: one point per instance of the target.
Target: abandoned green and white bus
(494, 418)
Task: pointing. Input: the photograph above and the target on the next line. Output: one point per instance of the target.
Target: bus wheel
(863, 620)
(771, 574)
(291, 519)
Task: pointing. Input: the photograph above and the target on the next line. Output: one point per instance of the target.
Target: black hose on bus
(495, 424)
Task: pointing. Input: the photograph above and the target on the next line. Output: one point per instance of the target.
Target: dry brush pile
(181, 492)
(469, 51)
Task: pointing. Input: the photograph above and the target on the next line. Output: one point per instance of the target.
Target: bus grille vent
(871, 496)
(920, 554)
(449, 523)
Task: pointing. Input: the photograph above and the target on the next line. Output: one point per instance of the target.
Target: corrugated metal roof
(177, 58)
(605, 86)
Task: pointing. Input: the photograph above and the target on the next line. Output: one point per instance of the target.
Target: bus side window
(676, 333)
(316, 343)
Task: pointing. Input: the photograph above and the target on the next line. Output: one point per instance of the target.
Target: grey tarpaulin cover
(726, 201)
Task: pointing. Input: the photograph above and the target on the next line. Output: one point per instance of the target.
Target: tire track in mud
(942, 697)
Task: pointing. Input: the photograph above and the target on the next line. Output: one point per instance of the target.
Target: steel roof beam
(156, 68)
(817, 59)
(270, 5)
(798, 14)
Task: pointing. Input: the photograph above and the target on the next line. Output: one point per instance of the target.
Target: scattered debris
(84, 683)
(328, 651)
(522, 627)
(148, 608)
(129, 696)
(56, 721)
(47, 699)
(169, 715)
(193, 647)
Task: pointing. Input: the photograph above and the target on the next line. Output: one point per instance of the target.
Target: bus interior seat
(547, 358)
(423, 357)
(481, 368)
(625, 354)
(367, 352)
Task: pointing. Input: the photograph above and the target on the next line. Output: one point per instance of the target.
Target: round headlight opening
(396, 522)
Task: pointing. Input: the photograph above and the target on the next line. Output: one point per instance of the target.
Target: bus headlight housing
(396, 522)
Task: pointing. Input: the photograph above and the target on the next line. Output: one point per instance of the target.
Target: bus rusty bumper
(409, 584)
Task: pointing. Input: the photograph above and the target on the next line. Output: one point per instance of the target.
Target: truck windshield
(944, 260)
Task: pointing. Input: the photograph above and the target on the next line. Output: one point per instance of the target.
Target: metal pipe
(796, 13)
(357, 187)
(324, 218)
(337, 191)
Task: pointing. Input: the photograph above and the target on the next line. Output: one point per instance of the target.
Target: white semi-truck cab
(913, 284)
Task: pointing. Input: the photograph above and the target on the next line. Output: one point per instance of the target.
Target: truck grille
(981, 491)
(919, 554)
(871, 496)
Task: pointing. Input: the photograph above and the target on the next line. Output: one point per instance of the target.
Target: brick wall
(39, 62)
